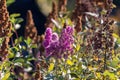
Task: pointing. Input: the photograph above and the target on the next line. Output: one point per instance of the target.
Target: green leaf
(114, 62)
(118, 41)
(9, 2)
(2, 65)
(14, 18)
(19, 20)
(5, 64)
(1, 40)
(14, 15)
(10, 55)
(15, 49)
(30, 59)
(111, 75)
(20, 39)
(74, 75)
(20, 60)
(28, 41)
(33, 46)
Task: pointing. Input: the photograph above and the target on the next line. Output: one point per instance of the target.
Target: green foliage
(15, 18)
(26, 60)
(6, 76)
(9, 2)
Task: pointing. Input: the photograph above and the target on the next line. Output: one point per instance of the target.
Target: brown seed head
(30, 29)
(62, 6)
(5, 28)
(4, 48)
(81, 7)
(52, 15)
(5, 25)
(78, 26)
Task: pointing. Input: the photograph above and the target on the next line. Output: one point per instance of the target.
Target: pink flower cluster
(56, 46)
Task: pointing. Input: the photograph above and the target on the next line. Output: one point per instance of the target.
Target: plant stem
(105, 57)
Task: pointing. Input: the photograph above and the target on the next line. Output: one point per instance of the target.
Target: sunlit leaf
(78, 47)
(28, 41)
(51, 66)
(69, 62)
(114, 62)
(9, 2)
(115, 35)
(6, 76)
(10, 55)
(21, 60)
(111, 75)
(14, 15)
(118, 41)
(33, 46)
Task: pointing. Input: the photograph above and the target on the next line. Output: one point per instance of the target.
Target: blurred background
(41, 8)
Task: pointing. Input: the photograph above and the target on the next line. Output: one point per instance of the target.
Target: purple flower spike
(46, 43)
(69, 30)
(56, 46)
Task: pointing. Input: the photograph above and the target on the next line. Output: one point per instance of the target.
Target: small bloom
(17, 26)
(48, 33)
(55, 37)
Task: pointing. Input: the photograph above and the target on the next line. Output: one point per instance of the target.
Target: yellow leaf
(115, 35)
(113, 51)
(98, 75)
(6, 76)
(90, 68)
(78, 48)
(118, 73)
(69, 62)
(51, 67)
